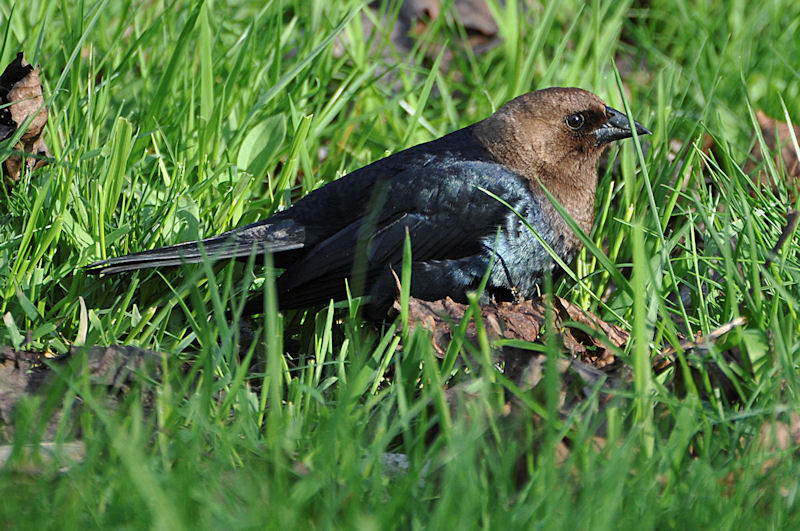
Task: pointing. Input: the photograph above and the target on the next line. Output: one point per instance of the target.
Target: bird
(445, 197)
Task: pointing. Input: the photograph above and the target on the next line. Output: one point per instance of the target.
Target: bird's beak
(616, 128)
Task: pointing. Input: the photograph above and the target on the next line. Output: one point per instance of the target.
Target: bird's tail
(257, 238)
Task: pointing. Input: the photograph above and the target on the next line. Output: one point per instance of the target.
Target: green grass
(171, 121)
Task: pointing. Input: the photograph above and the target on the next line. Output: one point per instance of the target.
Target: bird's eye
(575, 121)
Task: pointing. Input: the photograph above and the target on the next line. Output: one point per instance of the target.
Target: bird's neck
(572, 181)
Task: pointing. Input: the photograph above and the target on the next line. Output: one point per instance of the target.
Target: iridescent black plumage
(437, 192)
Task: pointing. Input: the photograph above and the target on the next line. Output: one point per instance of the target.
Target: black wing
(444, 210)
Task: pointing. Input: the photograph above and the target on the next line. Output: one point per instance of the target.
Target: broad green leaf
(261, 144)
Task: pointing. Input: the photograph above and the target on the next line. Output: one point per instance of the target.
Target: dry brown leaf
(601, 355)
(776, 130)
(524, 321)
(578, 378)
(397, 37)
(501, 320)
(777, 442)
(20, 86)
(778, 138)
(777, 437)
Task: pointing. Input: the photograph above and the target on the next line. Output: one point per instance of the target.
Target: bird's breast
(519, 249)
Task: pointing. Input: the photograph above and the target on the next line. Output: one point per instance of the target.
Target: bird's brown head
(555, 137)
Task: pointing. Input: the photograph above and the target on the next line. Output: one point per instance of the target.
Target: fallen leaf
(501, 320)
(523, 321)
(392, 37)
(20, 87)
(778, 138)
(775, 438)
(607, 334)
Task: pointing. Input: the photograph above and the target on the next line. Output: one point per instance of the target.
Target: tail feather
(257, 238)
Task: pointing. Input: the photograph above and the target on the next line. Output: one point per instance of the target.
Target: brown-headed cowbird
(436, 192)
